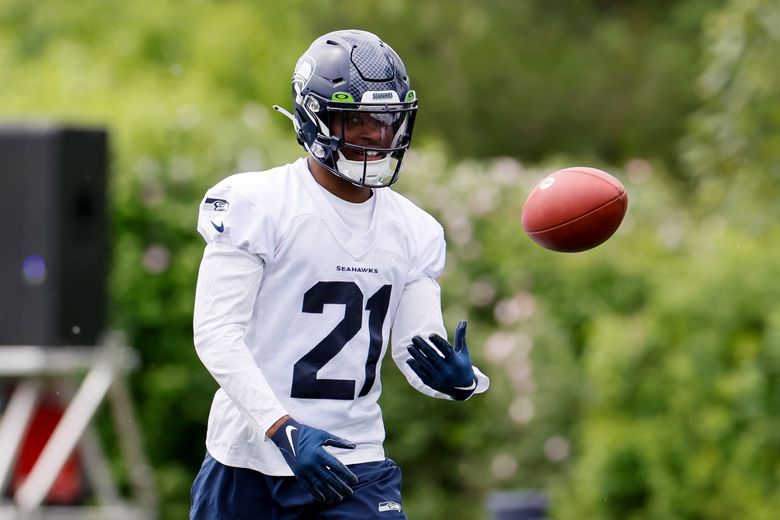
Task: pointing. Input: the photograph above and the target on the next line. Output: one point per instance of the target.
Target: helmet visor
(371, 132)
(372, 140)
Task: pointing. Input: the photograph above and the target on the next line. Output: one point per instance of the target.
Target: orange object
(69, 485)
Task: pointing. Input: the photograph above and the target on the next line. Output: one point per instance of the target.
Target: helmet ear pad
(323, 148)
(309, 132)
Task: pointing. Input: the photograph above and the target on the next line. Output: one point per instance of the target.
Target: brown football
(574, 209)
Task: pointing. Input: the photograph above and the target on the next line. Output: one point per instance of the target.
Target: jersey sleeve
(240, 236)
(228, 216)
(419, 313)
(430, 252)
(228, 281)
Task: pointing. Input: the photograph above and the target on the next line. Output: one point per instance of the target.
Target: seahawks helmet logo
(304, 70)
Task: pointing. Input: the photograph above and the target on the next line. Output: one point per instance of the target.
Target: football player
(308, 269)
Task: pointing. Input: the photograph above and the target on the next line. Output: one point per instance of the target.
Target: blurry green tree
(596, 78)
(679, 419)
(733, 146)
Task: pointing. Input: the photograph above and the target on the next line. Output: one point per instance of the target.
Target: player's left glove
(451, 372)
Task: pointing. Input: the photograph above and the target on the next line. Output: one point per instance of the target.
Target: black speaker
(54, 252)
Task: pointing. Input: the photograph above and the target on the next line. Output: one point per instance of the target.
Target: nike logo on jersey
(472, 386)
(220, 228)
(289, 431)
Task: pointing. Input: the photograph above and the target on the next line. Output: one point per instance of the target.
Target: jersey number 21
(305, 384)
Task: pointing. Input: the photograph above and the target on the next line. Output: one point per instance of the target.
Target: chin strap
(376, 171)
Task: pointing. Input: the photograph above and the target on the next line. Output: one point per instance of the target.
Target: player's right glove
(318, 472)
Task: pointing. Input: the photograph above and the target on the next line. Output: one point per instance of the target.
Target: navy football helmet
(353, 107)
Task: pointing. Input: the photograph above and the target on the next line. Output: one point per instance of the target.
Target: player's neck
(336, 185)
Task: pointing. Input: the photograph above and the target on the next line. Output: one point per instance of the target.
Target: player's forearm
(224, 298)
(419, 314)
(230, 363)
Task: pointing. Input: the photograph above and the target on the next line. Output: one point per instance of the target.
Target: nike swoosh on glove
(318, 472)
(450, 372)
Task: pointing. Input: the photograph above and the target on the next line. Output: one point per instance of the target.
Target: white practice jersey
(294, 310)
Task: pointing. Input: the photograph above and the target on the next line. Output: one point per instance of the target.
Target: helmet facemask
(363, 143)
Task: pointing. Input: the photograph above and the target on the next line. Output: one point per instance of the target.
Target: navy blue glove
(318, 472)
(451, 374)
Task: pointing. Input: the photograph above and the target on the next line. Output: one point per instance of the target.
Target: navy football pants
(223, 492)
